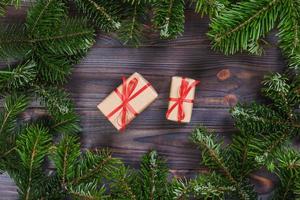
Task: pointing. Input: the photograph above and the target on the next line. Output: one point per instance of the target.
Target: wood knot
(231, 99)
(263, 185)
(224, 74)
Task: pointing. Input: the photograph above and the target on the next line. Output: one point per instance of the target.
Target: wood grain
(225, 80)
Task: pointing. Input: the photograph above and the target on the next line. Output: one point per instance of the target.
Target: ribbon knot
(184, 90)
(126, 96)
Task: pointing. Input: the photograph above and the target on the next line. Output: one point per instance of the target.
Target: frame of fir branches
(50, 42)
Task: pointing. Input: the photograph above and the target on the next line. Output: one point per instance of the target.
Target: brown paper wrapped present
(181, 99)
(128, 100)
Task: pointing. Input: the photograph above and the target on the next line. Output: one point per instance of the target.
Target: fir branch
(140, 1)
(103, 13)
(260, 119)
(240, 151)
(65, 157)
(73, 37)
(288, 171)
(100, 163)
(263, 121)
(277, 88)
(211, 151)
(131, 29)
(45, 17)
(3, 155)
(212, 157)
(14, 42)
(243, 24)
(32, 147)
(180, 189)
(276, 141)
(153, 176)
(124, 184)
(264, 149)
(210, 7)
(169, 17)
(55, 99)
(5, 3)
(17, 78)
(206, 186)
(13, 105)
(294, 99)
(53, 69)
(16, 3)
(67, 123)
(61, 109)
(289, 28)
(89, 191)
(50, 188)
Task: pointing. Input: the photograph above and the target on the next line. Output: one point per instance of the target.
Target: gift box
(128, 100)
(181, 99)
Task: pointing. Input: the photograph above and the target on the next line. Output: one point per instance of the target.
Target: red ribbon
(184, 90)
(126, 96)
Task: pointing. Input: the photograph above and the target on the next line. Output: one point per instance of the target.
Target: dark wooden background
(225, 80)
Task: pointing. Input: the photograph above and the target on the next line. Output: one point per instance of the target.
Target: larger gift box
(133, 96)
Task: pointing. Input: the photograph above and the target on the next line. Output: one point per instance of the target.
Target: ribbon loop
(126, 96)
(184, 90)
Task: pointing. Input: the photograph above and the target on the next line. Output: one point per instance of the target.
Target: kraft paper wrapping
(174, 93)
(139, 103)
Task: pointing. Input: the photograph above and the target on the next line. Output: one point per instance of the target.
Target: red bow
(184, 90)
(126, 96)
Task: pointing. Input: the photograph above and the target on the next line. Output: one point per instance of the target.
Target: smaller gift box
(181, 99)
(128, 100)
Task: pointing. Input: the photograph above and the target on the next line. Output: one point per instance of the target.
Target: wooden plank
(225, 80)
(8, 190)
